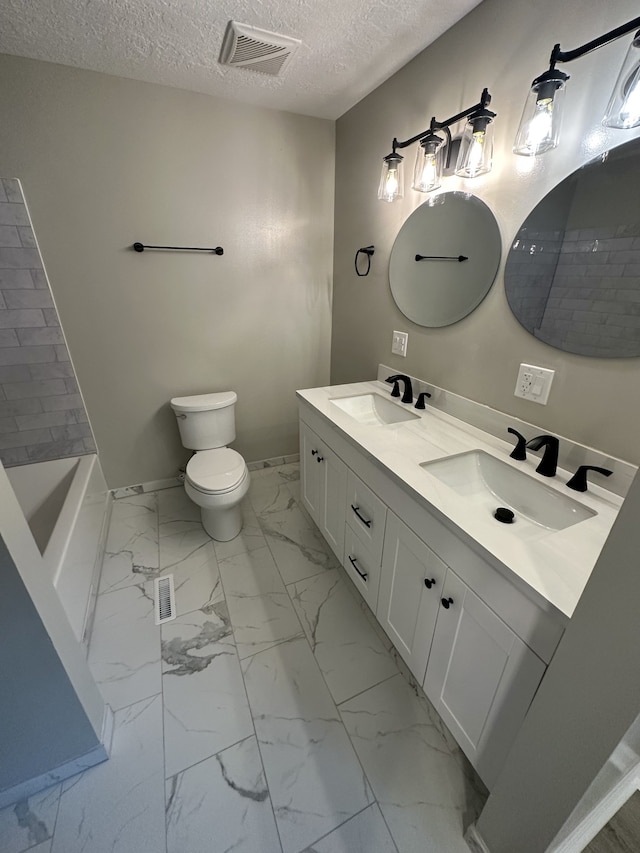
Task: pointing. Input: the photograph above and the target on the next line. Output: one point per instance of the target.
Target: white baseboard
(142, 488)
(27, 789)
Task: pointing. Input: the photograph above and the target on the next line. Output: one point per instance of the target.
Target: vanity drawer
(366, 514)
(359, 561)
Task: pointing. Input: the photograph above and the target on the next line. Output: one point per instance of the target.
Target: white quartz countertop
(556, 564)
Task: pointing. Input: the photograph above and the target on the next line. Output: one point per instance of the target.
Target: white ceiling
(348, 46)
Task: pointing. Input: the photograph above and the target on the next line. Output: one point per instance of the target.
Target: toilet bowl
(216, 477)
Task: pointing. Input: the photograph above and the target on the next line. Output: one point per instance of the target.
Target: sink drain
(506, 516)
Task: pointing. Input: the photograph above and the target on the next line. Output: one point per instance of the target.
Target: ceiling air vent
(257, 50)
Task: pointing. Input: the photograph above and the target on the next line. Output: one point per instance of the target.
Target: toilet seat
(217, 471)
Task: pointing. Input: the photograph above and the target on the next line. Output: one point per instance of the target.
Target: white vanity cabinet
(481, 654)
(323, 487)
(410, 588)
(481, 676)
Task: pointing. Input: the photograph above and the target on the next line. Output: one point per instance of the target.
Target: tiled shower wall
(580, 290)
(42, 415)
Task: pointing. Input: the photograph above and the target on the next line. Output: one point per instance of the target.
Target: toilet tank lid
(204, 402)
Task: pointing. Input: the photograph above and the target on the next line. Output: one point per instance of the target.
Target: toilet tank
(206, 420)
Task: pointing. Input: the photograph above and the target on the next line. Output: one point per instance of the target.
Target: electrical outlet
(399, 343)
(534, 383)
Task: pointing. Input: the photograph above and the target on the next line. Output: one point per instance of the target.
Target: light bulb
(476, 154)
(539, 129)
(427, 174)
(391, 179)
(541, 124)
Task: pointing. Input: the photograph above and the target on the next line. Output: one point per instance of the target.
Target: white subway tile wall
(41, 411)
(579, 290)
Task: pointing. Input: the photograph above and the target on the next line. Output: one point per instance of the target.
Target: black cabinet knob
(314, 452)
(320, 459)
(446, 602)
(429, 582)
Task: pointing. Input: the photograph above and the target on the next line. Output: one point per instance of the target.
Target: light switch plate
(534, 383)
(399, 343)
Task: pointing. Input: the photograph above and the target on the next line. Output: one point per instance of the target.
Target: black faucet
(407, 397)
(520, 450)
(421, 398)
(579, 479)
(549, 463)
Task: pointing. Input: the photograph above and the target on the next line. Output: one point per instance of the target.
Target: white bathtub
(67, 504)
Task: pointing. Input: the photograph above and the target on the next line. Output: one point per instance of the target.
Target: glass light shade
(541, 120)
(392, 178)
(427, 174)
(475, 156)
(624, 106)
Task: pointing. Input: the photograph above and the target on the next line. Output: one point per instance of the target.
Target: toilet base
(222, 524)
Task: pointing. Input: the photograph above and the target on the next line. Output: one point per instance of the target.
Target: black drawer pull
(446, 602)
(363, 575)
(429, 582)
(362, 519)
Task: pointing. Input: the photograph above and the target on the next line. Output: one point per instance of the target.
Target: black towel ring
(368, 251)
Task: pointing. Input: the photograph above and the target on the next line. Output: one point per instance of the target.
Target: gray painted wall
(501, 44)
(105, 162)
(43, 723)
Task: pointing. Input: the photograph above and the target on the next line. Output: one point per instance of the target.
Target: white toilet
(216, 478)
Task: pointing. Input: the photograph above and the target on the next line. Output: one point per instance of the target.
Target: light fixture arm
(480, 108)
(558, 55)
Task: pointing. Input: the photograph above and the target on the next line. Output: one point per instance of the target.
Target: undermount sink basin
(488, 483)
(373, 409)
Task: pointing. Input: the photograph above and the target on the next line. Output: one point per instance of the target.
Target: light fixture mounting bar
(558, 55)
(483, 103)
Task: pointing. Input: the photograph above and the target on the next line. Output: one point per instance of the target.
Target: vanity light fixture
(474, 155)
(539, 129)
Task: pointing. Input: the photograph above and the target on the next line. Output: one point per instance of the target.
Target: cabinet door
(481, 677)
(411, 584)
(309, 470)
(332, 489)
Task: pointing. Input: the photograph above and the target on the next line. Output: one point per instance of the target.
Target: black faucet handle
(520, 450)
(421, 398)
(579, 480)
(395, 392)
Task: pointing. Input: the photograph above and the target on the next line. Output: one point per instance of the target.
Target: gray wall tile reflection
(41, 411)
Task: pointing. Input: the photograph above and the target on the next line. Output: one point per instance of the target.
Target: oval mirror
(572, 276)
(444, 259)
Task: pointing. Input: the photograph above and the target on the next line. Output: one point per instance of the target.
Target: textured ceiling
(348, 46)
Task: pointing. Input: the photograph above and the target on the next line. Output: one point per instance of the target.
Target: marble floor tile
(45, 847)
(30, 821)
(191, 558)
(296, 544)
(423, 793)
(365, 833)
(124, 653)
(176, 511)
(259, 606)
(205, 703)
(270, 491)
(118, 806)
(250, 537)
(131, 551)
(347, 649)
(314, 777)
(222, 804)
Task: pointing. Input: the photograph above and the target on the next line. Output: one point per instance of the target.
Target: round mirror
(572, 276)
(444, 259)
